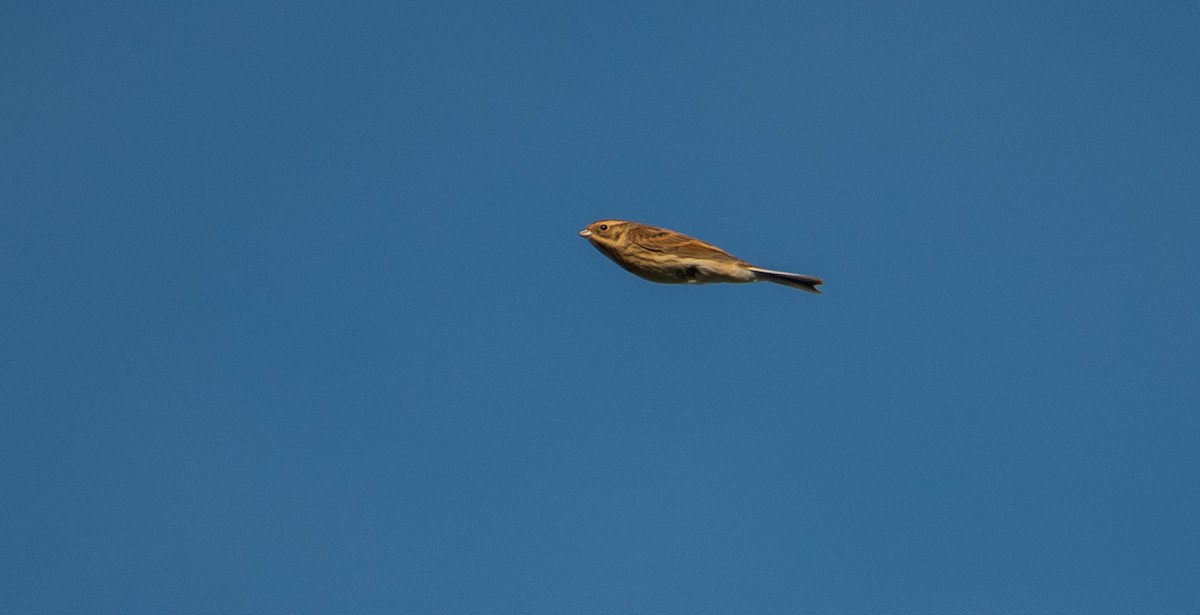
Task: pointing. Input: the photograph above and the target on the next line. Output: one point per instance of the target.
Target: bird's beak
(585, 233)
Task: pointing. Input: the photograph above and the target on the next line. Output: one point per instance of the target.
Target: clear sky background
(294, 316)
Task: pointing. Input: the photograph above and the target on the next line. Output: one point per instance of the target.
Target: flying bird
(664, 256)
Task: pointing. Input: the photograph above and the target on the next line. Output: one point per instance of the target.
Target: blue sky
(296, 319)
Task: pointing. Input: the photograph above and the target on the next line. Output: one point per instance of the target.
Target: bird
(665, 256)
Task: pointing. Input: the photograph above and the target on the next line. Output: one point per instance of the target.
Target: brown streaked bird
(660, 255)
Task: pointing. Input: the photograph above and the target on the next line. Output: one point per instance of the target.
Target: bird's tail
(795, 280)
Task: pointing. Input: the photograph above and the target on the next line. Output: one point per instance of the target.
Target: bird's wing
(662, 240)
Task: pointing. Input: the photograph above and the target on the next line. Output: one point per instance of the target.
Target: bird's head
(606, 232)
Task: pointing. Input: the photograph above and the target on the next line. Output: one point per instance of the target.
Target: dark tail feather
(795, 280)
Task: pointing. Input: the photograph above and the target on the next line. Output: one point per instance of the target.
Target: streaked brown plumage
(660, 255)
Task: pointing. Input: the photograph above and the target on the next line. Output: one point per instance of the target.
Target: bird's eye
(603, 227)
